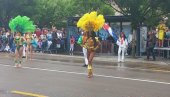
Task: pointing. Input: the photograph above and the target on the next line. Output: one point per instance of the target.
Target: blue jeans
(44, 45)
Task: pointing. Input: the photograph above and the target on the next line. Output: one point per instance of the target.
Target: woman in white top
(122, 43)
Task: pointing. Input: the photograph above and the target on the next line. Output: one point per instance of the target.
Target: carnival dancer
(92, 44)
(20, 25)
(91, 23)
(81, 41)
(29, 47)
(122, 43)
(18, 40)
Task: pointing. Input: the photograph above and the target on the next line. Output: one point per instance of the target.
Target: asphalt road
(69, 79)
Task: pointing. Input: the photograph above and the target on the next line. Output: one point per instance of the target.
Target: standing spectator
(44, 41)
(63, 40)
(45, 31)
(8, 33)
(54, 37)
(38, 32)
(81, 41)
(3, 30)
(11, 42)
(168, 33)
(151, 41)
(122, 43)
(63, 32)
(7, 48)
(39, 41)
(3, 41)
(72, 42)
(49, 38)
(59, 34)
(110, 40)
(59, 38)
(161, 32)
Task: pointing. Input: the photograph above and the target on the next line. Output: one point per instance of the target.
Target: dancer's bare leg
(27, 51)
(20, 56)
(31, 52)
(16, 57)
(90, 59)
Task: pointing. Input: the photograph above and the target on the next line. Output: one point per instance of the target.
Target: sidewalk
(159, 61)
(108, 58)
(107, 61)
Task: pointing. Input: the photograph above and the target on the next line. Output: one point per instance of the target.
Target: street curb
(108, 59)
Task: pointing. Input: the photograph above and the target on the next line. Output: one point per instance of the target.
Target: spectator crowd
(45, 38)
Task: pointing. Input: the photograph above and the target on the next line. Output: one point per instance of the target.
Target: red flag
(106, 26)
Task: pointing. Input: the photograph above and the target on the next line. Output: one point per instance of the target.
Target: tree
(12, 8)
(49, 12)
(85, 6)
(56, 12)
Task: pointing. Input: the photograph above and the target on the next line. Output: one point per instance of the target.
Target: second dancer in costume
(29, 47)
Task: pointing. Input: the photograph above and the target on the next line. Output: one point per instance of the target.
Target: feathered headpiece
(22, 25)
(91, 22)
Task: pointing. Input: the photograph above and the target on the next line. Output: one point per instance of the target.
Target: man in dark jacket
(54, 38)
(150, 45)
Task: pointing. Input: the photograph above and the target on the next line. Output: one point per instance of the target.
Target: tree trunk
(134, 44)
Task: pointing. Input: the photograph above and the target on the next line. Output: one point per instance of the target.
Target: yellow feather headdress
(91, 22)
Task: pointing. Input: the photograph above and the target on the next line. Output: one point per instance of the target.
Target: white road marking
(119, 67)
(97, 75)
(164, 71)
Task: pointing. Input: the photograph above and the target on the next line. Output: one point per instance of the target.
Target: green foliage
(12, 8)
(49, 12)
(106, 10)
(85, 6)
(168, 21)
(55, 12)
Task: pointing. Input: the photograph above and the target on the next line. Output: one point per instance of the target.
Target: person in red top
(72, 42)
(38, 32)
